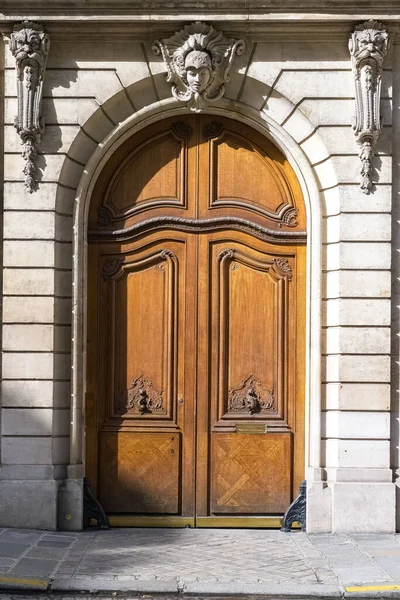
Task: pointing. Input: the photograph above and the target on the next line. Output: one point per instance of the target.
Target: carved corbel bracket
(198, 59)
(30, 45)
(368, 47)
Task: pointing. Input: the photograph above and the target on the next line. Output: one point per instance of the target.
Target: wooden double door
(195, 395)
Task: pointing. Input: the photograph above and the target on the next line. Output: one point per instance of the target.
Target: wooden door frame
(311, 195)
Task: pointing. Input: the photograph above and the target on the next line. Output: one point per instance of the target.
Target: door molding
(310, 189)
(201, 225)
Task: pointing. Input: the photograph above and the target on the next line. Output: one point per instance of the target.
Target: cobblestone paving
(174, 559)
(248, 556)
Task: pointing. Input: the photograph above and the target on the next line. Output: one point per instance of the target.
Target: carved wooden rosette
(252, 396)
(368, 47)
(30, 47)
(198, 48)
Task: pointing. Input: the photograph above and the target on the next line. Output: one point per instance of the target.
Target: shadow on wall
(395, 336)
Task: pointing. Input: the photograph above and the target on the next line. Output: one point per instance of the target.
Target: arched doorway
(196, 327)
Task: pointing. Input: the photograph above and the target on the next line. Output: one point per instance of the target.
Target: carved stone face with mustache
(29, 44)
(370, 43)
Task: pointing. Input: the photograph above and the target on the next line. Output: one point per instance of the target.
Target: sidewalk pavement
(198, 561)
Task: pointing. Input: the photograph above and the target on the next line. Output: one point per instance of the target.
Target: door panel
(140, 472)
(245, 175)
(143, 347)
(144, 339)
(250, 473)
(248, 301)
(195, 395)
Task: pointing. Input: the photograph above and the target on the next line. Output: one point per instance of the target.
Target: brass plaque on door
(259, 428)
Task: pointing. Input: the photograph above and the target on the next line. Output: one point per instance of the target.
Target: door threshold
(273, 522)
(149, 521)
(240, 522)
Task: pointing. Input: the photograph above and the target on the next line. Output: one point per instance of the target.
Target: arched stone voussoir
(143, 93)
(98, 125)
(82, 147)
(71, 173)
(279, 109)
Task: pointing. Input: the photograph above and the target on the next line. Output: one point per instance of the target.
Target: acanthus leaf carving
(182, 130)
(251, 397)
(213, 130)
(283, 265)
(289, 218)
(368, 47)
(141, 398)
(111, 268)
(30, 45)
(103, 216)
(198, 59)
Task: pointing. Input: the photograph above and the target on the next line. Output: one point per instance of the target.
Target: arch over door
(195, 399)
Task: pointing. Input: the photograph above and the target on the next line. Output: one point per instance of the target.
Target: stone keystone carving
(368, 47)
(30, 46)
(198, 59)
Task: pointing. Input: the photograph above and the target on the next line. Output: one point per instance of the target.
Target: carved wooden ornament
(30, 46)
(198, 59)
(368, 47)
(141, 398)
(251, 396)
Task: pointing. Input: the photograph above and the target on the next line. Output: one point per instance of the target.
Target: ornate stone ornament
(198, 59)
(30, 46)
(368, 47)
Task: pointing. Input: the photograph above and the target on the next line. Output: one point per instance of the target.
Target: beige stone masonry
(356, 396)
(300, 87)
(357, 368)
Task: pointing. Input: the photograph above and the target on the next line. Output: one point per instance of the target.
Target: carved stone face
(370, 42)
(27, 43)
(198, 79)
(198, 70)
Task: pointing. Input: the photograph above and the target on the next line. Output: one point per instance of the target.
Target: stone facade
(294, 82)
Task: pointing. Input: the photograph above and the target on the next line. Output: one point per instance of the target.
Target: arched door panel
(195, 405)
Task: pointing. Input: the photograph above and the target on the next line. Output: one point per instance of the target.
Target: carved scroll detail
(226, 253)
(110, 268)
(283, 265)
(289, 218)
(198, 59)
(30, 47)
(252, 397)
(213, 130)
(182, 130)
(368, 47)
(141, 398)
(103, 216)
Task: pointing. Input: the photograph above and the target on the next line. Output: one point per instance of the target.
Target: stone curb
(295, 594)
(201, 588)
(23, 583)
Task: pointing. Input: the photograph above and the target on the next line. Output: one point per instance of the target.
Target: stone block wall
(306, 88)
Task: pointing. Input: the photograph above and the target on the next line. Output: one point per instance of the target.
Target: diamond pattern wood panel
(141, 472)
(251, 473)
